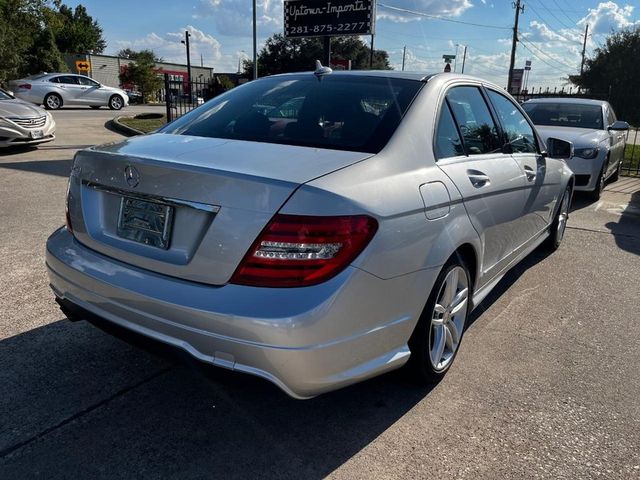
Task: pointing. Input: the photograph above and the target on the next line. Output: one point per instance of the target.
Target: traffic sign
(83, 66)
(448, 58)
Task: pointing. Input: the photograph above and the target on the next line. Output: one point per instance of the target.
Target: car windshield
(565, 114)
(343, 112)
(5, 96)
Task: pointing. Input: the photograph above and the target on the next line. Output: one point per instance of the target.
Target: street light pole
(404, 55)
(186, 43)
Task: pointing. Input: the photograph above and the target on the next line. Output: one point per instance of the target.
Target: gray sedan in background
(54, 90)
(349, 236)
(597, 135)
(23, 123)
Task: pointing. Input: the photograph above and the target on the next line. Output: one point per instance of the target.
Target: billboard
(516, 81)
(321, 18)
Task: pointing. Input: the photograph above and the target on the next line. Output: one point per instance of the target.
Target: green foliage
(33, 33)
(225, 83)
(142, 73)
(133, 55)
(612, 73)
(281, 55)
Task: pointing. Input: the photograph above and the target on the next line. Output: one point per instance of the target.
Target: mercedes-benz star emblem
(132, 176)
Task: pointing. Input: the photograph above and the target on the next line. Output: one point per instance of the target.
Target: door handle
(530, 173)
(478, 179)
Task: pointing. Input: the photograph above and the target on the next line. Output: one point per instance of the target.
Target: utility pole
(584, 47)
(519, 9)
(255, 44)
(404, 55)
(186, 43)
(464, 58)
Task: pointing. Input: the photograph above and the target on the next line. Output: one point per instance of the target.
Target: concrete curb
(125, 129)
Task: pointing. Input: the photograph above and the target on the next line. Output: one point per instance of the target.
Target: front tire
(435, 342)
(596, 193)
(616, 174)
(559, 224)
(52, 101)
(116, 102)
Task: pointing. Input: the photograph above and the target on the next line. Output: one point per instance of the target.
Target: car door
(617, 141)
(90, 92)
(541, 175)
(490, 182)
(68, 88)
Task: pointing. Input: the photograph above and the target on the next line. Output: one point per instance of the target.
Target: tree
(133, 55)
(78, 32)
(281, 55)
(43, 55)
(142, 73)
(612, 74)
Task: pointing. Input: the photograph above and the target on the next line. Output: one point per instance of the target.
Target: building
(106, 69)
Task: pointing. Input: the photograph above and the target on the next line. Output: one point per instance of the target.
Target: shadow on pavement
(60, 168)
(626, 231)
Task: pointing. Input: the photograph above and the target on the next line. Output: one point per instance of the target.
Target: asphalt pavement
(546, 384)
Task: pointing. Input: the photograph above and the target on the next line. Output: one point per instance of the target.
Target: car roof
(572, 101)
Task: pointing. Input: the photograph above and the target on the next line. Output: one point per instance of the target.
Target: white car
(53, 90)
(597, 135)
(22, 123)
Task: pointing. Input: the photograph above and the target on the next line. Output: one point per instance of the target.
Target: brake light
(298, 251)
(67, 215)
(25, 86)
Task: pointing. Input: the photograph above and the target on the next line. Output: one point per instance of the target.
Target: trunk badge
(132, 176)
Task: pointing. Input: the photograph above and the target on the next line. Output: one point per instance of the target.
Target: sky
(551, 32)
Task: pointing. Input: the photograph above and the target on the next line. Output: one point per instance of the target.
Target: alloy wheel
(53, 102)
(448, 318)
(116, 103)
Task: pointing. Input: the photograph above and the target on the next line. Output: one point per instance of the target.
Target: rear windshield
(336, 112)
(565, 115)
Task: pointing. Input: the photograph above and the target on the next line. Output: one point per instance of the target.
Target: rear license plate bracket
(145, 221)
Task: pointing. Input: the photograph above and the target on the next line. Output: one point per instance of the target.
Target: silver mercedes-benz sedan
(54, 90)
(316, 245)
(22, 123)
(597, 135)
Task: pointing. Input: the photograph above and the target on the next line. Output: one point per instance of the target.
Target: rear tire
(436, 339)
(559, 224)
(116, 102)
(52, 101)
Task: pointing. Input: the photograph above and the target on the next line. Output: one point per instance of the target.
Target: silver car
(598, 137)
(349, 238)
(22, 123)
(53, 90)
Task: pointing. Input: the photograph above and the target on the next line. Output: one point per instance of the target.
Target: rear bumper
(305, 340)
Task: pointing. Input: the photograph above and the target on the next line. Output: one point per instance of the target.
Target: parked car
(348, 244)
(134, 96)
(22, 123)
(598, 137)
(53, 90)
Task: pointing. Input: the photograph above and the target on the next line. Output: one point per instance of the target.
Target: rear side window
(479, 131)
(518, 132)
(343, 112)
(447, 142)
(611, 117)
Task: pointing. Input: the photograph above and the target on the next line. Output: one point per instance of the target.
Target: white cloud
(608, 16)
(234, 17)
(169, 47)
(446, 8)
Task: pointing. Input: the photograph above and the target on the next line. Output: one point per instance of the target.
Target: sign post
(447, 62)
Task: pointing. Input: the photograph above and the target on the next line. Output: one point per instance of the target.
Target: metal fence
(183, 96)
(631, 163)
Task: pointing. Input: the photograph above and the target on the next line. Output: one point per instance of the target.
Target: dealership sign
(320, 18)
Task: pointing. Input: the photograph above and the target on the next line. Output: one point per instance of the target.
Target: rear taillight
(297, 251)
(25, 86)
(67, 215)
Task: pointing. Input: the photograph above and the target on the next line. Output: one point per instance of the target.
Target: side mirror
(619, 125)
(557, 148)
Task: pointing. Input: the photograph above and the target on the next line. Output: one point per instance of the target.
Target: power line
(545, 54)
(552, 31)
(444, 19)
(564, 12)
(554, 15)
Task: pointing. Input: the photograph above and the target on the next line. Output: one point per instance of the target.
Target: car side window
(87, 82)
(447, 141)
(67, 79)
(472, 115)
(611, 117)
(518, 132)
